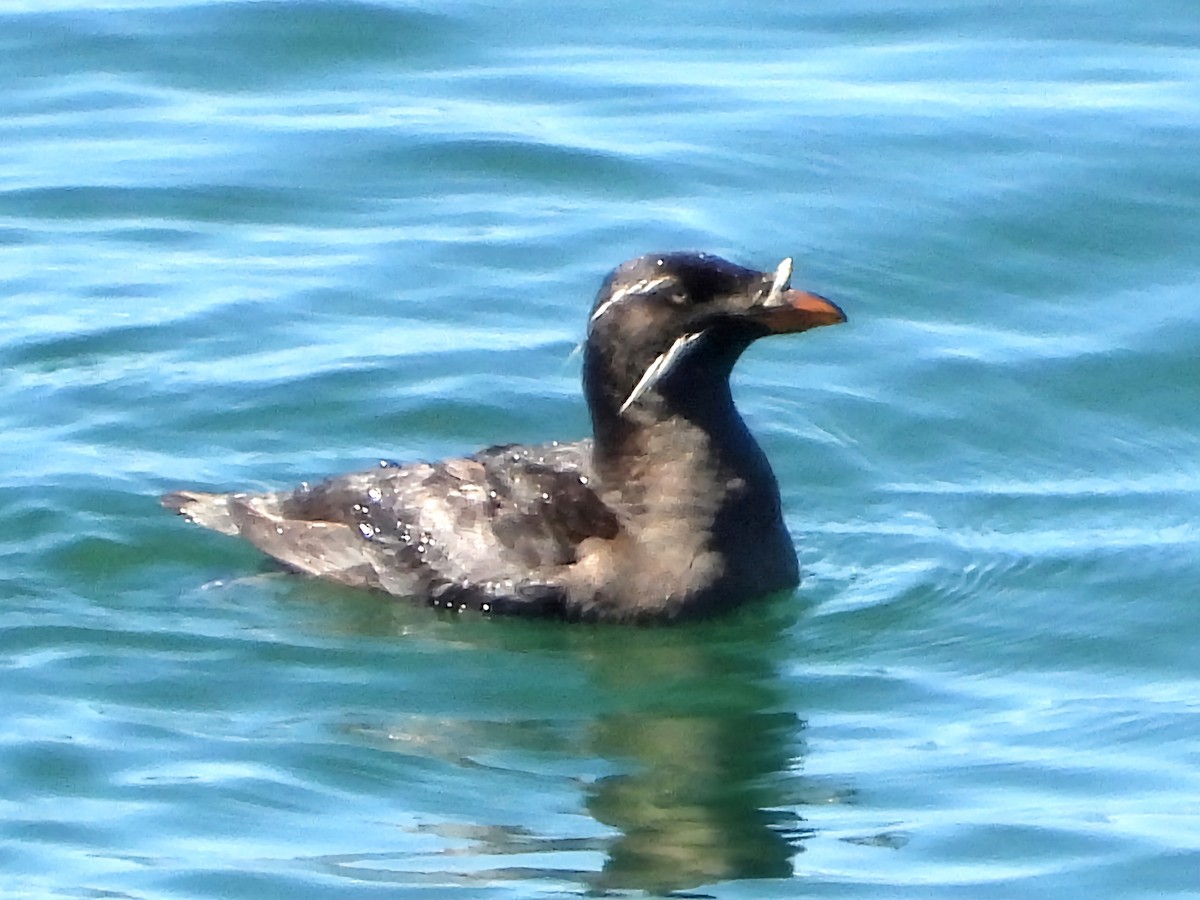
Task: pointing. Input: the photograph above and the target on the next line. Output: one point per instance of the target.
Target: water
(245, 244)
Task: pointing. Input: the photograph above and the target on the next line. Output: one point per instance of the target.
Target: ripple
(251, 243)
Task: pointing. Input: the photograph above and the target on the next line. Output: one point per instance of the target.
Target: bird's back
(487, 530)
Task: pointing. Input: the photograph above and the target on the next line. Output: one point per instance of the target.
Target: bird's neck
(680, 442)
(699, 506)
(684, 445)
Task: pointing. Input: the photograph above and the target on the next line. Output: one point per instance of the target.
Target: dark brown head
(666, 330)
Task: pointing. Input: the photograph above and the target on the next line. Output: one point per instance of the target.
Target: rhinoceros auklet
(671, 510)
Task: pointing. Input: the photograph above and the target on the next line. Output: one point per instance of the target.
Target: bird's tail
(208, 510)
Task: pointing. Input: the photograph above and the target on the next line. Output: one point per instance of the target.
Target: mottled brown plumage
(671, 511)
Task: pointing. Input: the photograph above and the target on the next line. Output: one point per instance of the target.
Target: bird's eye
(675, 297)
(669, 291)
(663, 289)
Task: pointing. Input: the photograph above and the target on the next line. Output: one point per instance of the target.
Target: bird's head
(667, 328)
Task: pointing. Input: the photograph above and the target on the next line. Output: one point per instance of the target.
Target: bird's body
(671, 511)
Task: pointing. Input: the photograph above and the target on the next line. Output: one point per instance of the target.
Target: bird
(669, 512)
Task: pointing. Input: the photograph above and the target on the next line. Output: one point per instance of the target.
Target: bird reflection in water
(710, 750)
(692, 728)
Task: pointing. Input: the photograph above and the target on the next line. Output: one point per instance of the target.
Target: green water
(245, 244)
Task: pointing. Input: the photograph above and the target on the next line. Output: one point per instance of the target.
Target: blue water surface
(244, 244)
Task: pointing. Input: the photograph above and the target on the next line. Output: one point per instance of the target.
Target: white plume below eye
(657, 370)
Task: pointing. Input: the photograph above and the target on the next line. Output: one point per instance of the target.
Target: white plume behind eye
(645, 286)
(658, 369)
